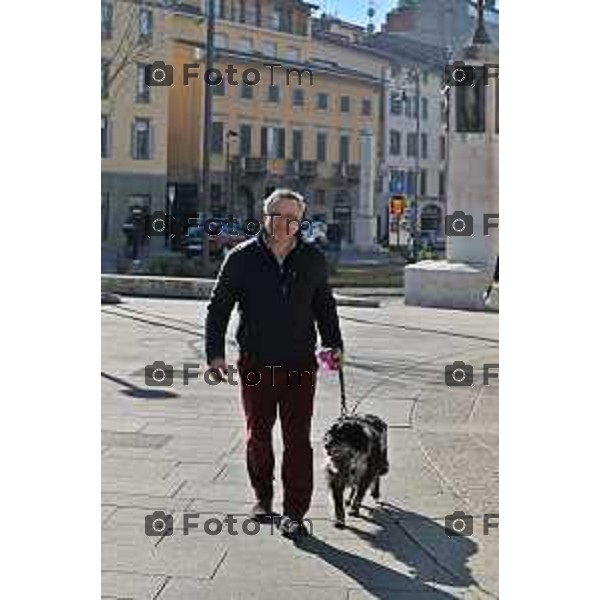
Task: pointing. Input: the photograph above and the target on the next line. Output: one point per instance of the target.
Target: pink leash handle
(328, 362)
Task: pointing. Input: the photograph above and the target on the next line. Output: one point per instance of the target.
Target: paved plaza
(181, 449)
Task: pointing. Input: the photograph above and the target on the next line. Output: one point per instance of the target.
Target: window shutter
(263, 141)
(132, 148)
(281, 144)
(151, 133)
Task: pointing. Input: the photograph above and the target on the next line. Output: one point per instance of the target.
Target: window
(411, 145)
(141, 140)
(410, 183)
(442, 147)
(423, 182)
(269, 49)
(424, 151)
(216, 146)
(293, 54)
(415, 107)
(221, 41)
(273, 93)
(219, 90)
(107, 18)
(407, 112)
(366, 107)
(247, 91)
(297, 144)
(143, 91)
(320, 197)
(280, 146)
(145, 23)
(345, 104)
(395, 139)
(345, 148)
(321, 146)
(322, 101)
(246, 45)
(105, 77)
(105, 215)
(270, 142)
(442, 184)
(396, 104)
(298, 97)
(245, 140)
(424, 109)
(470, 108)
(104, 137)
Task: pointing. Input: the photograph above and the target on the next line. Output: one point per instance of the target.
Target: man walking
(280, 285)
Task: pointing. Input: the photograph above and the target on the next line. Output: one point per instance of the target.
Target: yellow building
(299, 125)
(133, 121)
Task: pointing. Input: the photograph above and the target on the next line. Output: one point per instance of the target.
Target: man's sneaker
(291, 528)
(262, 511)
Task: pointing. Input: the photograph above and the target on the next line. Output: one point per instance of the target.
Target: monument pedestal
(443, 284)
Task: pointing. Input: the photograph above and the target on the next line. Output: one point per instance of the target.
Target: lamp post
(171, 196)
(414, 76)
(231, 134)
(207, 130)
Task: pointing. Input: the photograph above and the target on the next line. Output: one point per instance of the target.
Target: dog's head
(344, 440)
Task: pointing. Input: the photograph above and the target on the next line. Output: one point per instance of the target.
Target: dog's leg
(361, 489)
(336, 487)
(351, 495)
(375, 493)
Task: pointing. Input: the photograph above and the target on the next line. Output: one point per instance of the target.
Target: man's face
(284, 221)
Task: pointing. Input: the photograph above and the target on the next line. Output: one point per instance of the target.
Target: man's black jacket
(278, 305)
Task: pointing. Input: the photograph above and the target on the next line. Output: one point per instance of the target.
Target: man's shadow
(135, 391)
(420, 554)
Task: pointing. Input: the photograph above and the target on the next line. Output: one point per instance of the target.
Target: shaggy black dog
(356, 448)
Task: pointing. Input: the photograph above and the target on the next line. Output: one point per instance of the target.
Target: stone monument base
(443, 284)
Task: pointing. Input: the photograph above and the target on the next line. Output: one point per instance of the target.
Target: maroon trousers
(292, 392)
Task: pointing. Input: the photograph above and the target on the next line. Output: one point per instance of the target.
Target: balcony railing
(308, 168)
(252, 165)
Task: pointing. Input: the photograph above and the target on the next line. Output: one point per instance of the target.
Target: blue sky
(356, 10)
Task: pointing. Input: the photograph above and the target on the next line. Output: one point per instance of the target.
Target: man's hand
(220, 366)
(338, 358)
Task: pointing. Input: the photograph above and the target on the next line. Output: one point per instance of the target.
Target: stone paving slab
(118, 586)
(187, 589)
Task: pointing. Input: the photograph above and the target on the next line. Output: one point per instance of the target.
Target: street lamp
(231, 134)
(171, 190)
(414, 76)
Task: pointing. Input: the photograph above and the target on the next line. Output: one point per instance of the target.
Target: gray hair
(278, 196)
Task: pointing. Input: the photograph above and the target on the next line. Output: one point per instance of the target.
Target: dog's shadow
(422, 545)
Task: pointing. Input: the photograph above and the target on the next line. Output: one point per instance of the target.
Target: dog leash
(344, 408)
